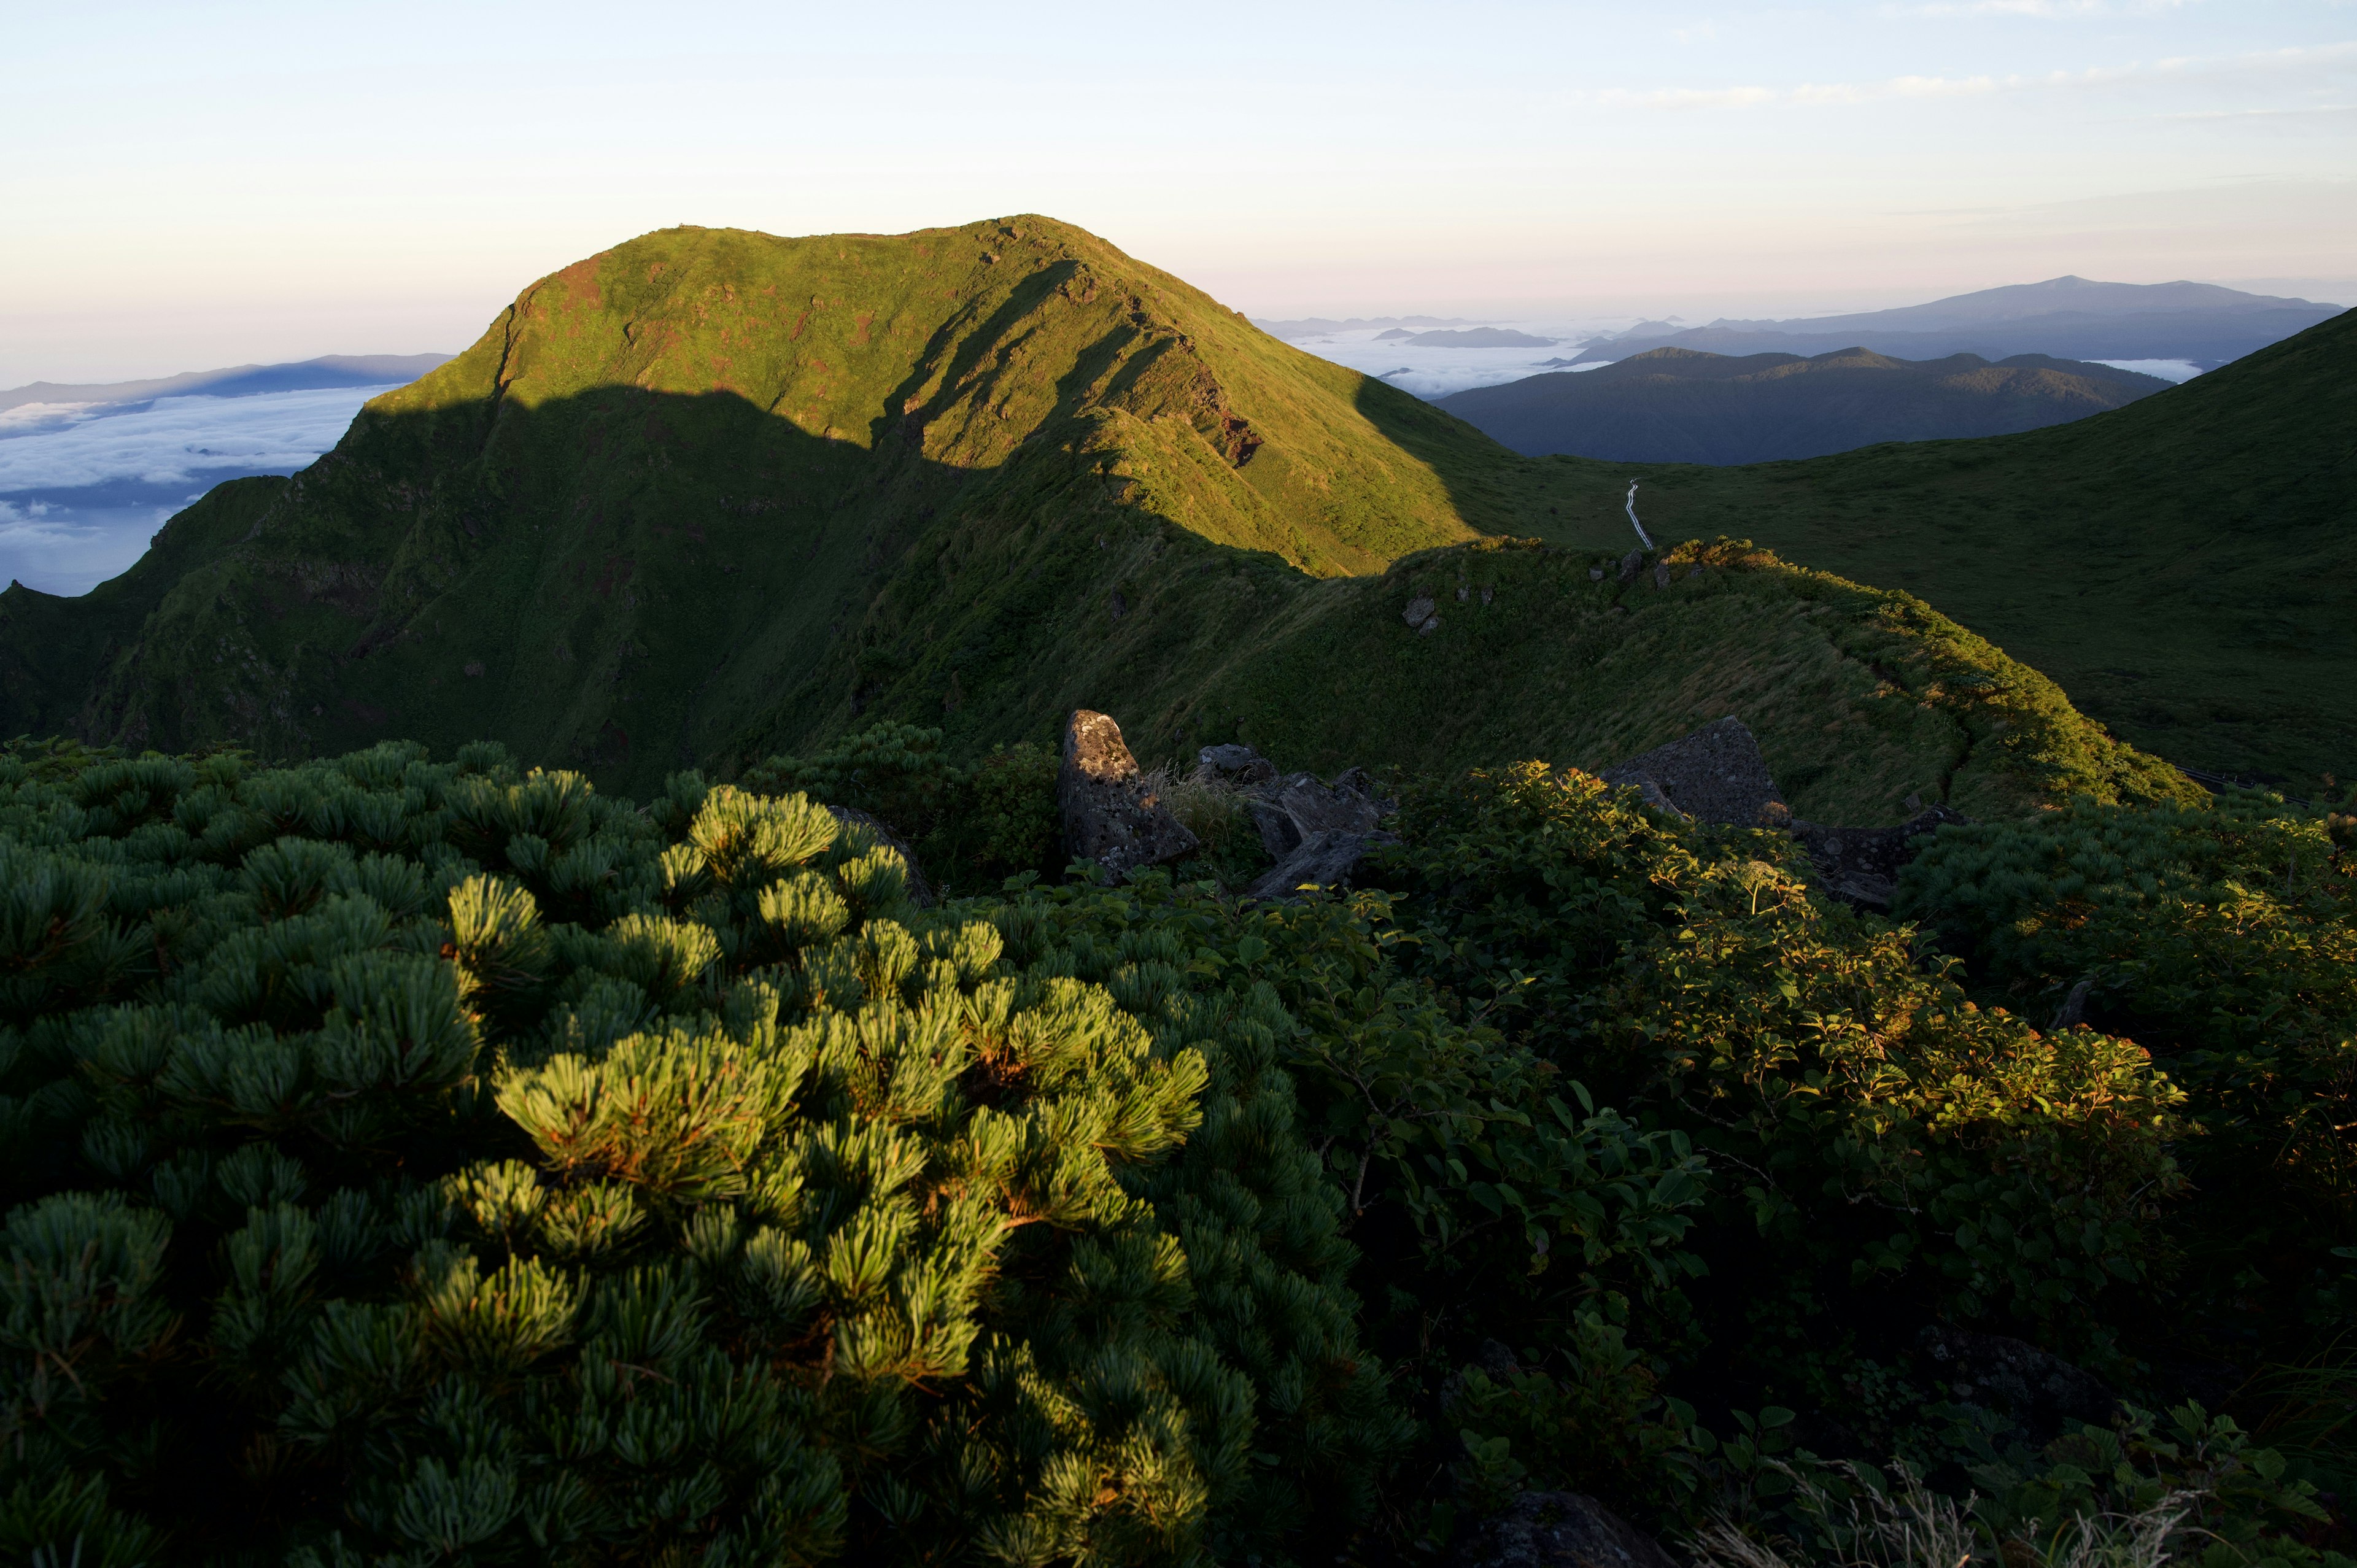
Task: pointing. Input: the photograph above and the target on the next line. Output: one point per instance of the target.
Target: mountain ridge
(1682, 405)
(713, 495)
(2067, 318)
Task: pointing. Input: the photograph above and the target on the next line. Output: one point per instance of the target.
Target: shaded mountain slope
(1675, 405)
(714, 495)
(639, 509)
(2185, 567)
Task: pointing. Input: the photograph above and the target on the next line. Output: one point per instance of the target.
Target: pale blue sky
(193, 185)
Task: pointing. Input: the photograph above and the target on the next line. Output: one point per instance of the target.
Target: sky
(192, 185)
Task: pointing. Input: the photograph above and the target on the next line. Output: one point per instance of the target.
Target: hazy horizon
(267, 182)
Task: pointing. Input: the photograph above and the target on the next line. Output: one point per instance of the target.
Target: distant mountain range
(1472, 338)
(1319, 327)
(2065, 317)
(1678, 405)
(239, 380)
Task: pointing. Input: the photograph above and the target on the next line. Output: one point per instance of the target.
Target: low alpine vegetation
(418, 1162)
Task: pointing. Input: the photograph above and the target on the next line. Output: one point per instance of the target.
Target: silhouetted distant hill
(1675, 405)
(239, 380)
(2066, 317)
(1319, 327)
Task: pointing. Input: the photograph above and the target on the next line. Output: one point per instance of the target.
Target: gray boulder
(1348, 804)
(1280, 835)
(2034, 1390)
(1109, 816)
(1323, 859)
(1861, 865)
(1715, 774)
(1237, 764)
(1560, 1529)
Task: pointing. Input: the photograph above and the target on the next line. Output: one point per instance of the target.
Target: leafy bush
(2226, 937)
(408, 1161)
(1891, 1130)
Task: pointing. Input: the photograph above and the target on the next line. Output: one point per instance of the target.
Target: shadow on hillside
(624, 581)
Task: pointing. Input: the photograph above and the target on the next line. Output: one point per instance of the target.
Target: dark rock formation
(1861, 865)
(1109, 816)
(2027, 1386)
(1629, 565)
(1325, 859)
(1716, 774)
(1316, 830)
(1237, 764)
(1560, 1529)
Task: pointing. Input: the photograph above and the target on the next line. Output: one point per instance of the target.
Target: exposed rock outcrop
(1324, 859)
(1717, 775)
(1316, 831)
(1861, 865)
(1109, 815)
(1560, 1529)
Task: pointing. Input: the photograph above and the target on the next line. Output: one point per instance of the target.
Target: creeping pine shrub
(419, 1162)
(973, 825)
(1486, 1195)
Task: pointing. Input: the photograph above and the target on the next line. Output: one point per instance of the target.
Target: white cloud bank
(173, 440)
(78, 481)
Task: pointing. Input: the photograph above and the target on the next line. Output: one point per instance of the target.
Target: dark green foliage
(2224, 938)
(1891, 1130)
(1892, 1147)
(412, 1161)
(973, 825)
(438, 1162)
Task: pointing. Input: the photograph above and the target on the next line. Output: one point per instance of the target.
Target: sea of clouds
(1437, 372)
(84, 487)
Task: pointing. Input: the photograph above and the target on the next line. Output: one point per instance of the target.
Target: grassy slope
(1675, 405)
(1861, 698)
(2185, 567)
(642, 505)
(714, 494)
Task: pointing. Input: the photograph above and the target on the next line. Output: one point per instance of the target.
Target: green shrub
(414, 1161)
(972, 826)
(2223, 937)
